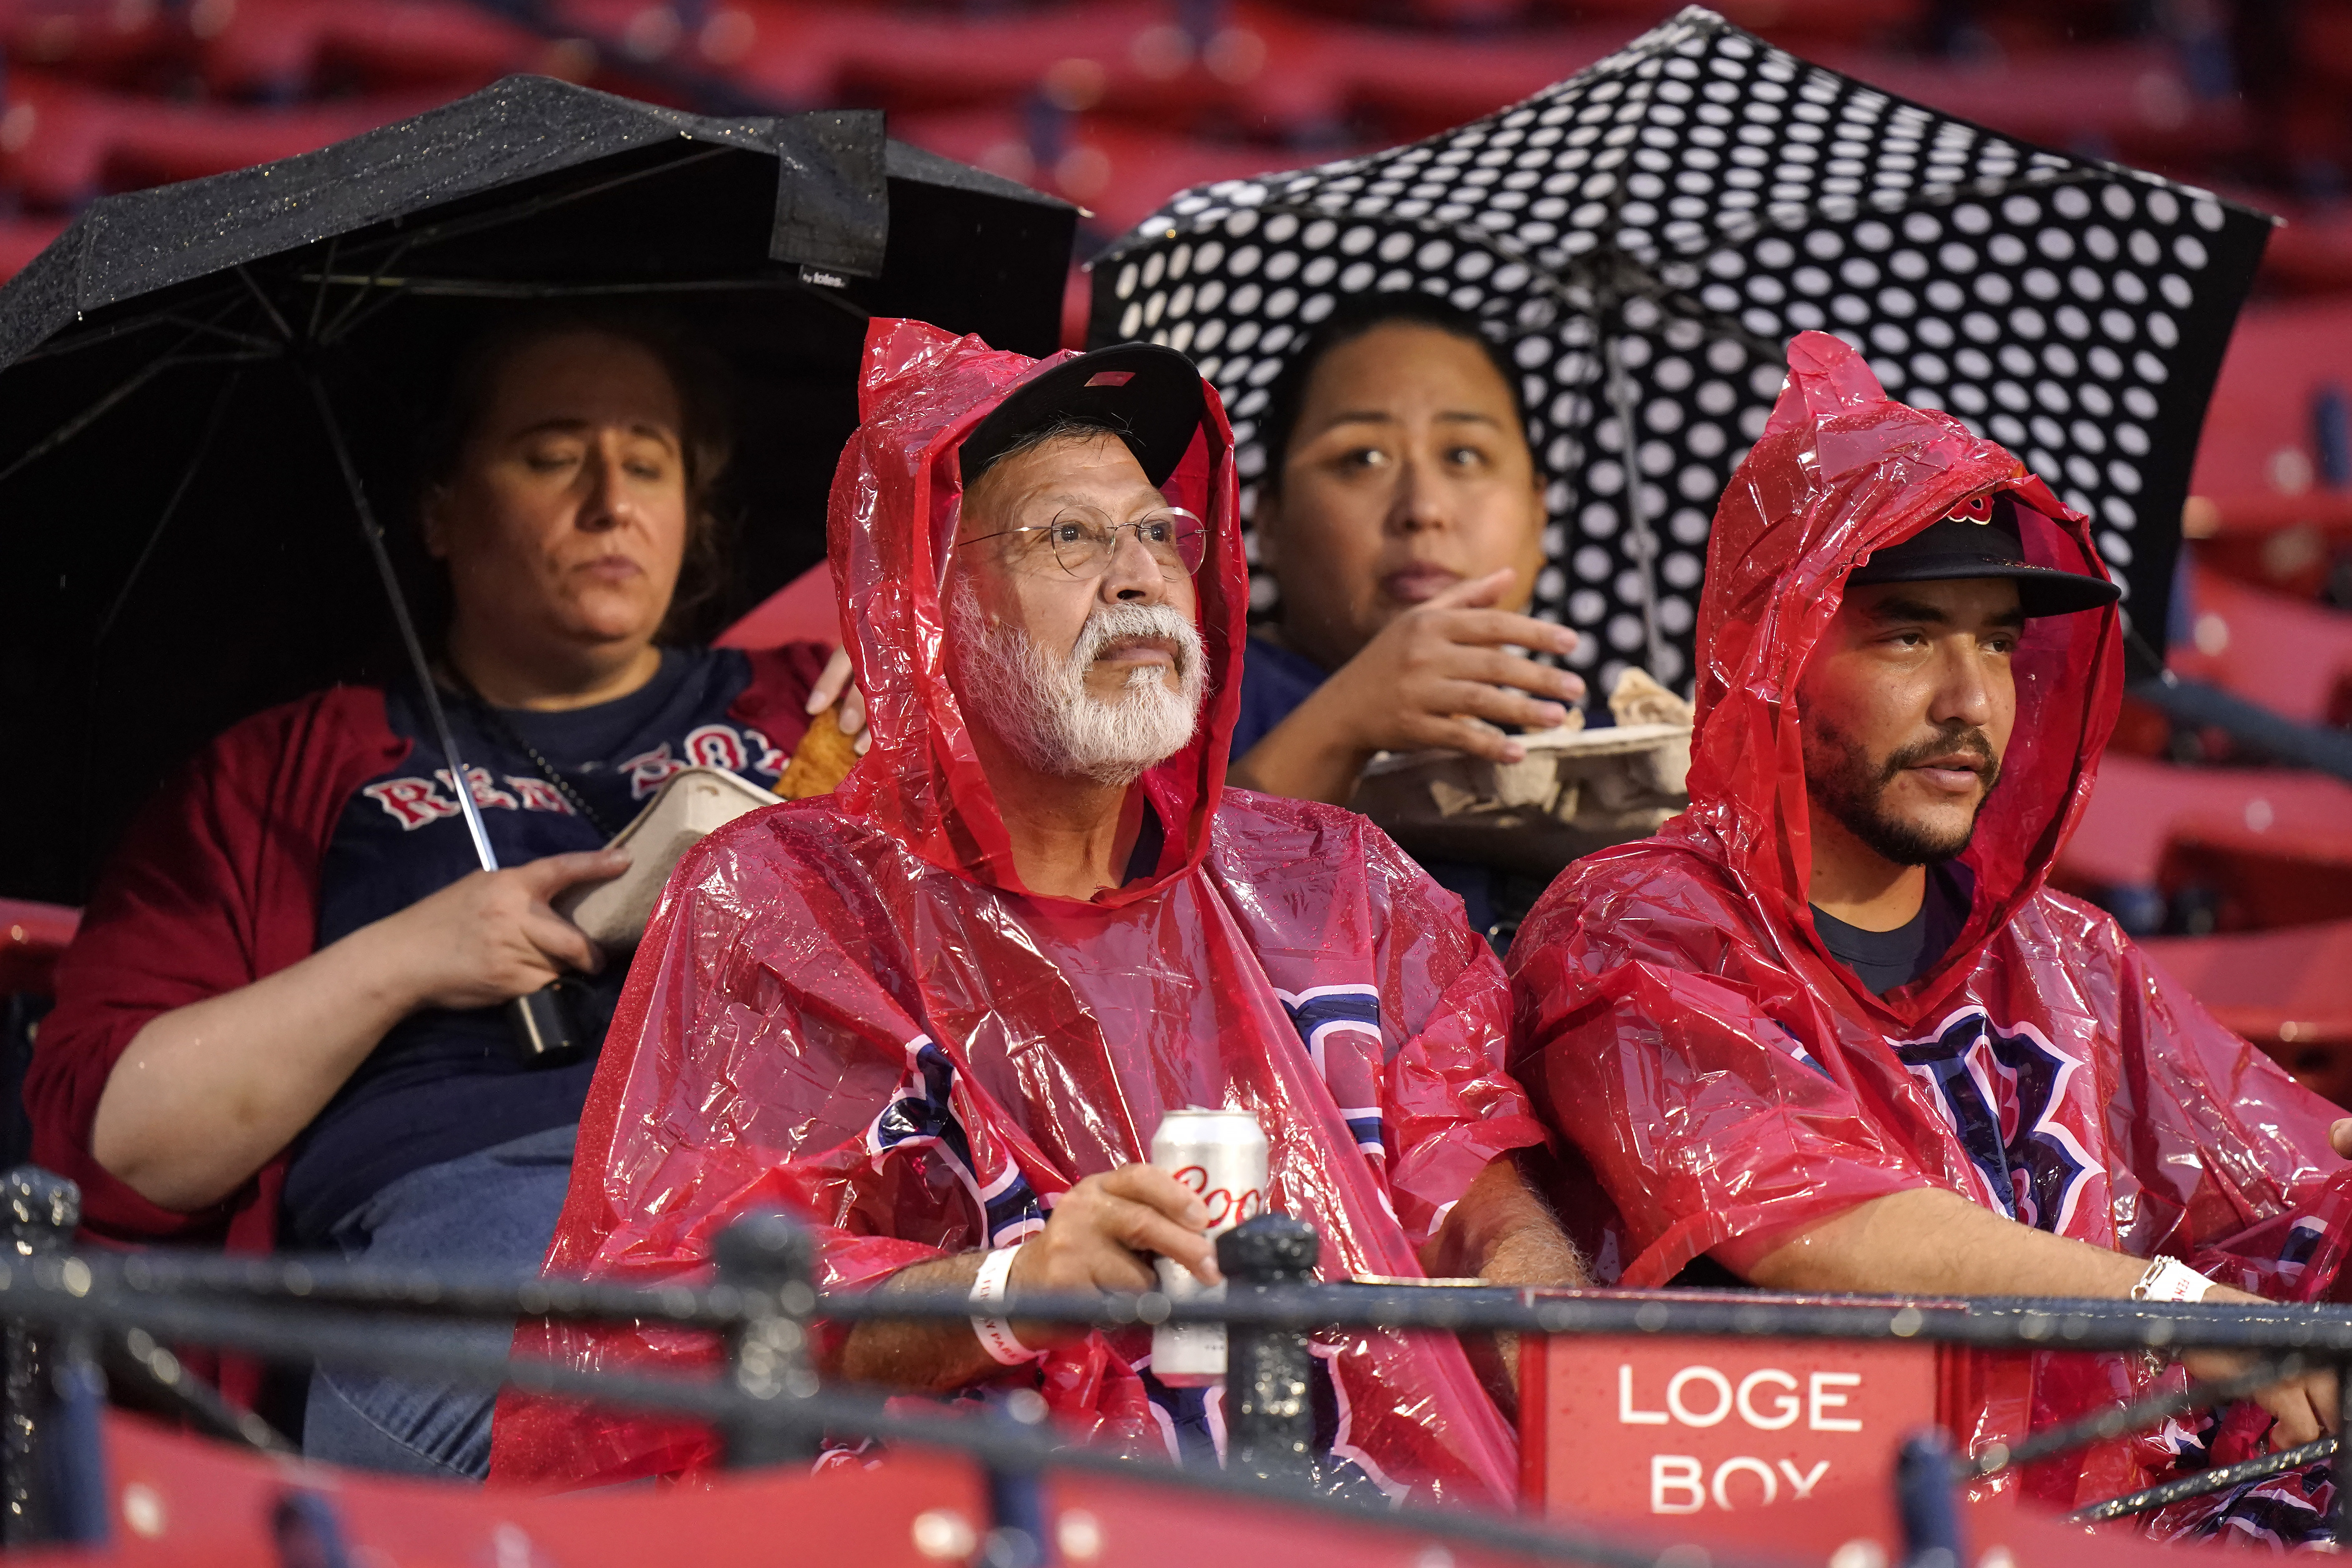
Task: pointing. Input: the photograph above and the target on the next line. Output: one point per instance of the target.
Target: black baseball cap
(1981, 538)
(1149, 395)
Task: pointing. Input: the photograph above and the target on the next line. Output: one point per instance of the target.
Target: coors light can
(1221, 1156)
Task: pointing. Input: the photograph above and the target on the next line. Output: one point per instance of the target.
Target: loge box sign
(1694, 1430)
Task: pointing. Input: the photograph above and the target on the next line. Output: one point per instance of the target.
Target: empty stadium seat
(96, 41)
(2287, 655)
(2141, 807)
(2289, 991)
(31, 937)
(286, 48)
(1119, 170)
(2261, 469)
(71, 141)
(21, 239)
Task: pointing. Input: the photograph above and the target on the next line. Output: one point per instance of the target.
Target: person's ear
(1266, 522)
(433, 519)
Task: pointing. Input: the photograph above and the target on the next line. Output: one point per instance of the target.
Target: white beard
(1041, 708)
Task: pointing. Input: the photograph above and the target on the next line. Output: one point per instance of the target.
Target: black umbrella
(200, 385)
(1648, 234)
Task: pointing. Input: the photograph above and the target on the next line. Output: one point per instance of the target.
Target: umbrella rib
(319, 295)
(285, 332)
(351, 315)
(81, 421)
(97, 336)
(461, 784)
(171, 509)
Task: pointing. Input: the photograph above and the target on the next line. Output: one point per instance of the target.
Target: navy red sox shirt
(444, 1083)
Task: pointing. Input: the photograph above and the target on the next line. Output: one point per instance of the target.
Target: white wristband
(2170, 1279)
(995, 1334)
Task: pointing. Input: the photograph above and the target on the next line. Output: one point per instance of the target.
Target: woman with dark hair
(282, 1021)
(1401, 512)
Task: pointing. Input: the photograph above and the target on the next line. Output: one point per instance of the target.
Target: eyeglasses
(1081, 543)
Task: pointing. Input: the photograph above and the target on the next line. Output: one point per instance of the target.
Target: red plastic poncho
(847, 1007)
(1727, 1081)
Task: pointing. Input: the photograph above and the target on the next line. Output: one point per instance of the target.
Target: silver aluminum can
(1221, 1156)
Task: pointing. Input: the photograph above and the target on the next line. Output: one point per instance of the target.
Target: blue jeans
(493, 1210)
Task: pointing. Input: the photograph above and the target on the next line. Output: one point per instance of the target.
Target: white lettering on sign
(1822, 1399)
(1803, 1485)
(1626, 1414)
(1675, 1472)
(1743, 1465)
(1786, 1404)
(1767, 1399)
(1679, 1483)
(1684, 1379)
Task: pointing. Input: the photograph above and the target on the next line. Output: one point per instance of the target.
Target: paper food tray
(1576, 791)
(690, 805)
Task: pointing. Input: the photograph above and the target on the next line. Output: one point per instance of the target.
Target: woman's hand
(492, 936)
(1418, 684)
(834, 684)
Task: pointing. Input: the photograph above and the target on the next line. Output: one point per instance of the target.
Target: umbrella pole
(1645, 543)
(418, 664)
(543, 1029)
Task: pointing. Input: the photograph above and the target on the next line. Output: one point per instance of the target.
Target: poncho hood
(1843, 471)
(897, 497)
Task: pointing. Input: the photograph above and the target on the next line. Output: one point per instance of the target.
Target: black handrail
(769, 1406)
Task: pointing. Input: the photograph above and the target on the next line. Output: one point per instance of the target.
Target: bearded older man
(939, 1013)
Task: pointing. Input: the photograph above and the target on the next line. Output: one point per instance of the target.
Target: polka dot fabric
(1647, 236)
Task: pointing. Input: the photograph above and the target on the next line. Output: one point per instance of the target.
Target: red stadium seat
(2141, 807)
(57, 134)
(31, 938)
(21, 239)
(2130, 99)
(97, 41)
(1120, 172)
(2290, 991)
(2245, 880)
(185, 144)
(287, 47)
(804, 610)
(2264, 510)
(2289, 656)
(2313, 254)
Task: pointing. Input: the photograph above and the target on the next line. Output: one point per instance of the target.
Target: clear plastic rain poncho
(1729, 1082)
(847, 1007)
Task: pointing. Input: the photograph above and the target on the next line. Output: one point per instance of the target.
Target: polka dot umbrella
(1646, 237)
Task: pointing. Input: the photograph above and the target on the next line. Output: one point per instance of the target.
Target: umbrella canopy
(179, 369)
(1648, 234)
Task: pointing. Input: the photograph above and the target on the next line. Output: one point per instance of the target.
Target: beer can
(1221, 1155)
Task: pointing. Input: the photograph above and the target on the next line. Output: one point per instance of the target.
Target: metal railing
(768, 1405)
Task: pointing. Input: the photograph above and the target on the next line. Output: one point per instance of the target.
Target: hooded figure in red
(1731, 1085)
(851, 1008)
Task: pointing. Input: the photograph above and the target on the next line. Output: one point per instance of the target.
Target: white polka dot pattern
(1646, 237)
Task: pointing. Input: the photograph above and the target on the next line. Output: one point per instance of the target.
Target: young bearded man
(1830, 1032)
(939, 1013)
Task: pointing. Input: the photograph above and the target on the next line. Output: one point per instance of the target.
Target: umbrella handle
(545, 1032)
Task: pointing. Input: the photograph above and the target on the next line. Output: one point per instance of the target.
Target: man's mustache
(1123, 623)
(1970, 740)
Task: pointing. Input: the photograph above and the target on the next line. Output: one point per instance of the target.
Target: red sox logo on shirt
(414, 802)
(2009, 1094)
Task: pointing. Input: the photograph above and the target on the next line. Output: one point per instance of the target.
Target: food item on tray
(821, 761)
